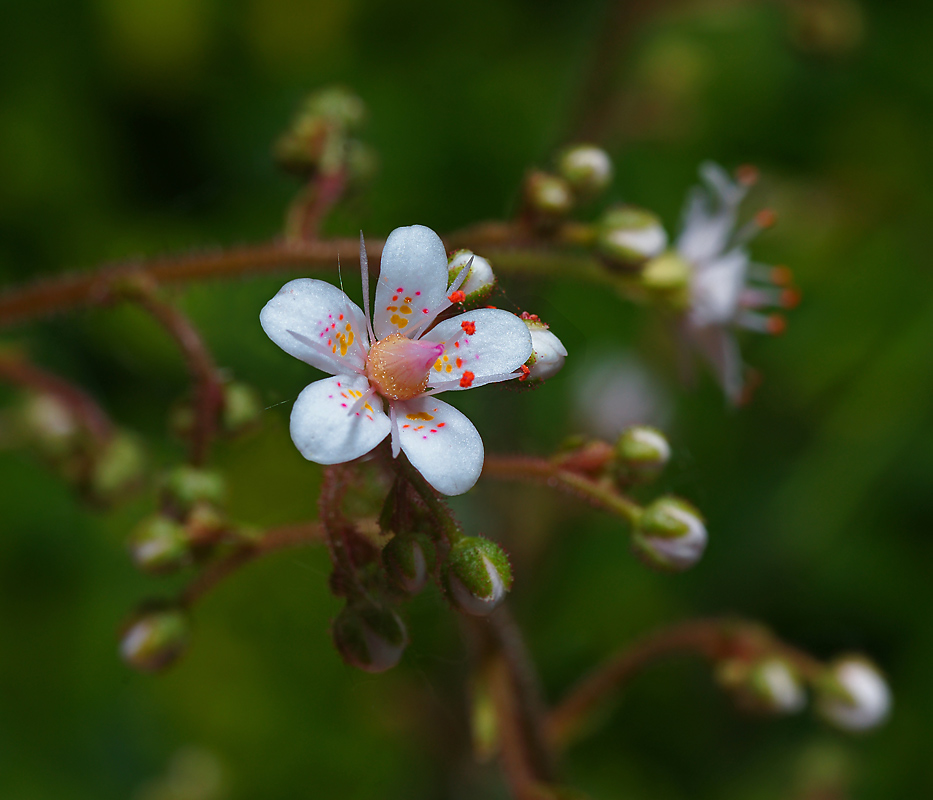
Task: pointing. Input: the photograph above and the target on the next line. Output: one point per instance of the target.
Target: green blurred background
(139, 127)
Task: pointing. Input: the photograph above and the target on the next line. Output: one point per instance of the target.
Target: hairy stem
(272, 541)
(438, 509)
(555, 475)
(712, 639)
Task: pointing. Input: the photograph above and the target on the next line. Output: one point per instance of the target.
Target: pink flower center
(398, 367)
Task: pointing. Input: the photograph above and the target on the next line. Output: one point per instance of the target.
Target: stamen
(467, 380)
(469, 328)
(393, 422)
(444, 304)
(364, 279)
(361, 401)
(339, 363)
(747, 174)
(773, 324)
(475, 382)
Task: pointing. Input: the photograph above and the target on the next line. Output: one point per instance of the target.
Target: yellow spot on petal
(420, 415)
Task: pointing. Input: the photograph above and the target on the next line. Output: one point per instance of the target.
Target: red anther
(469, 328)
(525, 373)
(765, 218)
(790, 298)
(457, 297)
(747, 174)
(776, 324)
(781, 276)
(530, 317)
(492, 306)
(467, 380)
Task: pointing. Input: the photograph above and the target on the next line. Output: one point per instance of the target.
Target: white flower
(398, 361)
(860, 700)
(548, 352)
(722, 294)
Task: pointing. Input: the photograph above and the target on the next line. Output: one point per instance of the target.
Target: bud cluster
(582, 172)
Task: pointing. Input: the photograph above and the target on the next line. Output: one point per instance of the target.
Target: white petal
(441, 444)
(715, 289)
(412, 280)
(317, 312)
(549, 354)
(719, 347)
(500, 344)
(324, 430)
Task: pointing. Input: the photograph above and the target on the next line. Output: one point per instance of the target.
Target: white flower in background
(727, 290)
(779, 687)
(858, 698)
(398, 361)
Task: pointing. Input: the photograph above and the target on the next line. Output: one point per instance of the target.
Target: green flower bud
(186, 485)
(154, 639)
(480, 282)
(670, 534)
(548, 196)
(242, 407)
(777, 686)
(668, 276)
(370, 637)
(853, 695)
(50, 425)
(158, 545)
(477, 575)
(629, 236)
(588, 169)
(409, 561)
(642, 452)
(362, 163)
(118, 469)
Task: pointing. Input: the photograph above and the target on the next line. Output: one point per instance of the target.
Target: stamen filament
(361, 401)
(444, 304)
(393, 421)
(339, 363)
(364, 279)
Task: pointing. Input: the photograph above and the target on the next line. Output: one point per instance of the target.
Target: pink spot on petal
(424, 437)
(343, 405)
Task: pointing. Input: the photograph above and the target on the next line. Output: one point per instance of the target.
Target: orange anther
(469, 328)
(747, 174)
(781, 276)
(467, 380)
(766, 218)
(776, 324)
(457, 297)
(525, 373)
(790, 298)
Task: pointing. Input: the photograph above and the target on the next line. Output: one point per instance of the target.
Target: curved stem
(712, 639)
(444, 517)
(17, 370)
(555, 475)
(272, 541)
(208, 387)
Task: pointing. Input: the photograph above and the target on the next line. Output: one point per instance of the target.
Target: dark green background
(138, 127)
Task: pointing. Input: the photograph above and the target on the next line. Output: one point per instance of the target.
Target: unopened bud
(642, 452)
(853, 694)
(50, 424)
(186, 485)
(670, 534)
(370, 637)
(588, 169)
(629, 236)
(409, 560)
(158, 545)
(477, 575)
(548, 195)
(547, 351)
(777, 686)
(154, 639)
(480, 280)
(668, 276)
(118, 468)
(242, 407)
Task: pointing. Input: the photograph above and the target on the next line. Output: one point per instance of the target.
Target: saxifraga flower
(386, 374)
(727, 290)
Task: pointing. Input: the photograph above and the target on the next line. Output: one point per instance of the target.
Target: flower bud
(50, 425)
(158, 545)
(480, 280)
(853, 694)
(777, 686)
(668, 277)
(642, 452)
(477, 575)
(628, 236)
(408, 561)
(118, 468)
(670, 534)
(186, 485)
(547, 351)
(242, 407)
(548, 196)
(588, 169)
(154, 639)
(370, 637)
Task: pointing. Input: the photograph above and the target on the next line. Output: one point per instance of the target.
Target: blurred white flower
(859, 697)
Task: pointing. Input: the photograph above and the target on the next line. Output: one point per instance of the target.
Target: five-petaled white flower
(400, 360)
(727, 289)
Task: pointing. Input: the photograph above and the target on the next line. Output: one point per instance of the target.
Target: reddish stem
(712, 639)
